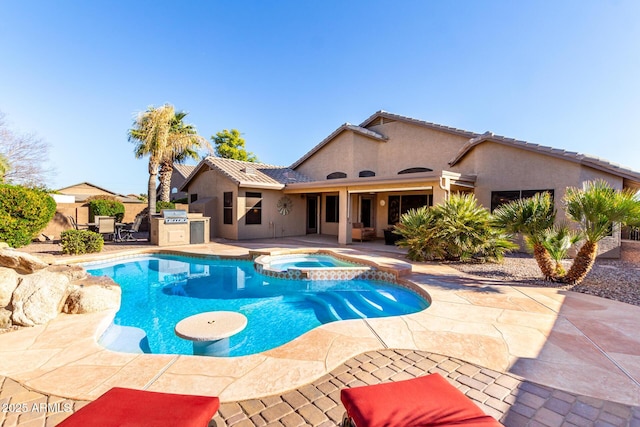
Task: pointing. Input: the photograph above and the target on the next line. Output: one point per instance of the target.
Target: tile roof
(249, 174)
(184, 170)
(572, 156)
(435, 126)
(345, 127)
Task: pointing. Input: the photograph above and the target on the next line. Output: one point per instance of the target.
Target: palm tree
(151, 134)
(457, 229)
(531, 217)
(557, 240)
(597, 209)
(184, 143)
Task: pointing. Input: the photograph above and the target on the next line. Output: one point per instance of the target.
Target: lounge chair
(422, 401)
(128, 407)
(360, 232)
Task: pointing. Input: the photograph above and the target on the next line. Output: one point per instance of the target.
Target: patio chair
(75, 225)
(422, 401)
(360, 232)
(126, 234)
(129, 407)
(107, 227)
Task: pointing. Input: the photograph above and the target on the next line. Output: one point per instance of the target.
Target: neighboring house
(84, 190)
(374, 172)
(178, 177)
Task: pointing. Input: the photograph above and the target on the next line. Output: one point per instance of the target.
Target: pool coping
(508, 332)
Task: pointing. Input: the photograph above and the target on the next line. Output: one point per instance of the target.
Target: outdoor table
(210, 331)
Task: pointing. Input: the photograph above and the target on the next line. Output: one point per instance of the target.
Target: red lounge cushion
(422, 401)
(125, 407)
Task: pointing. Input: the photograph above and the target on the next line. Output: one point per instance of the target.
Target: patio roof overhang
(409, 182)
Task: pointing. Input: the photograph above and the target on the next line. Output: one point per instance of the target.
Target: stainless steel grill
(174, 216)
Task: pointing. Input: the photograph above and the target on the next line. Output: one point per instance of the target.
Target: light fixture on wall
(382, 202)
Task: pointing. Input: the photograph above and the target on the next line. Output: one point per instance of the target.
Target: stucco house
(374, 172)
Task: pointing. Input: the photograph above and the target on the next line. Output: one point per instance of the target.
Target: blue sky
(288, 73)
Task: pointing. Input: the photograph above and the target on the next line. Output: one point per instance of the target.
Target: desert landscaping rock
(93, 294)
(5, 318)
(610, 278)
(73, 272)
(8, 283)
(22, 262)
(39, 298)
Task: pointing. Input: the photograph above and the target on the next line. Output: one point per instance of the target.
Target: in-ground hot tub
(313, 266)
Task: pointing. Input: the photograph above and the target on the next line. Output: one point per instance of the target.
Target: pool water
(160, 290)
(284, 262)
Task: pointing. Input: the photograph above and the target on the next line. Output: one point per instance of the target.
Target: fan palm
(184, 143)
(531, 217)
(597, 209)
(557, 240)
(457, 229)
(151, 134)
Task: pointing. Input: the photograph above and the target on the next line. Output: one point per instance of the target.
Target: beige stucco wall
(411, 145)
(408, 146)
(211, 184)
(503, 168)
(273, 224)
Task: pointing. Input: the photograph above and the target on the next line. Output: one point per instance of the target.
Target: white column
(344, 224)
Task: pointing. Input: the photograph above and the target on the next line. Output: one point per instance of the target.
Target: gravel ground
(613, 279)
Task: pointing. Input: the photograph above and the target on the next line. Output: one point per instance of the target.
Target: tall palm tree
(531, 217)
(184, 144)
(151, 134)
(597, 209)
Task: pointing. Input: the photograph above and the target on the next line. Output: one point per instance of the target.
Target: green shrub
(455, 230)
(24, 212)
(76, 242)
(107, 206)
(164, 205)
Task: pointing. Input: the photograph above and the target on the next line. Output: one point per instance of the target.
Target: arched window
(414, 170)
(336, 175)
(365, 174)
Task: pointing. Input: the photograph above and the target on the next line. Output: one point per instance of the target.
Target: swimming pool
(160, 290)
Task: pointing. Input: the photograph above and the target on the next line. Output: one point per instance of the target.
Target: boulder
(8, 283)
(73, 272)
(5, 318)
(93, 294)
(22, 262)
(39, 298)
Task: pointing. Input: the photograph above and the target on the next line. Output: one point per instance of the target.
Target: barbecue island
(178, 227)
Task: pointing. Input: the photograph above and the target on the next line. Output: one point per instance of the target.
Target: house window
(336, 175)
(366, 174)
(332, 208)
(414, 170)
(254, 208)
(193, 198)
(227, 210)
(499, 198)
(399, 205)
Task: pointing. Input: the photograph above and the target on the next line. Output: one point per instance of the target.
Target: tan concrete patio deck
(567, 341)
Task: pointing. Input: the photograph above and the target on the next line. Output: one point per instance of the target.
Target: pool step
(324, 311)
(126, 339)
